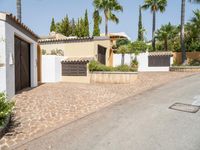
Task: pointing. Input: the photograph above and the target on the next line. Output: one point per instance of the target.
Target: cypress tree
(86, 25)
(82, 29)
(73, 27)
(53, 25)
(140, 26)
(97, 20)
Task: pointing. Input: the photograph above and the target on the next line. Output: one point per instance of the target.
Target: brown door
(22, 64)
(102, 54)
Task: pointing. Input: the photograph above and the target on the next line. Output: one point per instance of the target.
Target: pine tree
(53, 25)
(86, 23)
(140, 26)
(97, 20)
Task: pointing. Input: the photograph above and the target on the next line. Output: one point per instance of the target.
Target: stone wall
(185, 69)
(113, 77)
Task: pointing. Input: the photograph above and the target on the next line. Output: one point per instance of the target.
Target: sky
(37, 14)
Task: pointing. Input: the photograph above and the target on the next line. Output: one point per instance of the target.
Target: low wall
(143, 61)
(185, 69)
(177, 56)
(113, 77)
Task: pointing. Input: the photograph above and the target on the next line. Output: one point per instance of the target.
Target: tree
(108, 7)
(166, 33)
(140, 27)
(121, 42)
(86, 26)
(19, 10)
(155, 6)
(123, 49)
(73, 27)
(182, 35)
(53, 25)
(97, 21)
(64, 27)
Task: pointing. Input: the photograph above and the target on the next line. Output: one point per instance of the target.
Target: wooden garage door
(22, 64)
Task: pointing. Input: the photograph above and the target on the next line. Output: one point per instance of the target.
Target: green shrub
(5, 108)
(194, 62)
(123, 68)
(134, 64)
(96, 66)
(194, 46)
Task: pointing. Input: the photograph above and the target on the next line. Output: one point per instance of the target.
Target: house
(77, 53)
(98, 48)
(18, 55)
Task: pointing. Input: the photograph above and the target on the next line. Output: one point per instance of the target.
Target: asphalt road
(143, 122)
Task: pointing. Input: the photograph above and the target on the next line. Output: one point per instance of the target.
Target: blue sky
(37, 14)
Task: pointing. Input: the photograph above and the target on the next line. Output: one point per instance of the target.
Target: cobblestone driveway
(49, 106)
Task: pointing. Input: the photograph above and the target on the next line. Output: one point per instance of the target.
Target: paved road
(143, 122)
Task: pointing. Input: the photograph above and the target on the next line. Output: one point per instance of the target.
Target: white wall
(2, 79)
(2, 57)
(143, 64)
(127, 59)
(51, 68)
(142, 60)
(7, 51)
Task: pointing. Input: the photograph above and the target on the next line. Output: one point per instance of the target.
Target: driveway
(142, 122)
(49, 106)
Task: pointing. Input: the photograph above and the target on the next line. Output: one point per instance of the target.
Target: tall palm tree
(184, 57)
(108, 6)
(155, 6)
(19, 10)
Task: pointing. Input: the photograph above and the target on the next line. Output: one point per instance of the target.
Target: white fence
(142, 59)
(51, 68)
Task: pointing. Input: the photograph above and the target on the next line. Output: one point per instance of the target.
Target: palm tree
(108, 6)
(184, 58)
(19, 10)
(166, 33)
(155, 6)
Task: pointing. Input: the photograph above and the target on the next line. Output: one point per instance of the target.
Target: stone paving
(49, 106)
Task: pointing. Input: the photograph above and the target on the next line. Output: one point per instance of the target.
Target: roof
(119, 35)
(77, 59)
(71, 39)
(160, 54)
(12, 20)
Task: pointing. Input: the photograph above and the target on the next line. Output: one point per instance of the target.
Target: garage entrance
(22, 64)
